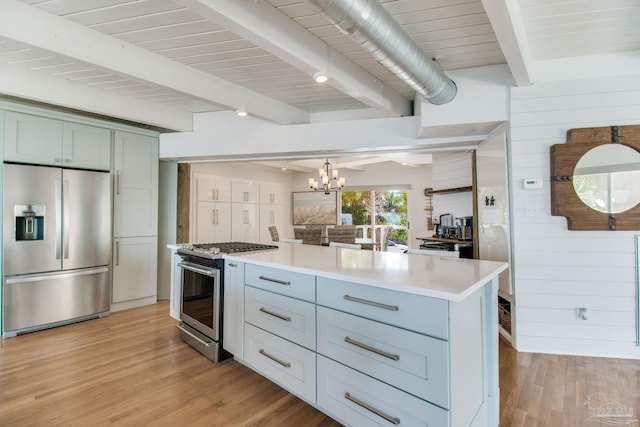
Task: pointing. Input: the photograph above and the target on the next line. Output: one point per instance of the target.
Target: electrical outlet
(531, 209)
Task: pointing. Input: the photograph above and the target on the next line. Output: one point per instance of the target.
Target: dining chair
(311, 236)
(273, 230)
(342, 234)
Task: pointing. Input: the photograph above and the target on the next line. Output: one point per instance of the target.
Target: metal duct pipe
(370, 25)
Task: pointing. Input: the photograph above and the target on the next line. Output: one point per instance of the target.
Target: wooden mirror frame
(564, 157)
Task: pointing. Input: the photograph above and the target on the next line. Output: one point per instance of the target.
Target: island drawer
(297, 285)
(289, 318)
(414, 312)
(285, 363)
(416, 363)
(360, 400)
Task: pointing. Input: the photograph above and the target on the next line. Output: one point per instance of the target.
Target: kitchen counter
(411, 314)
(438, 277)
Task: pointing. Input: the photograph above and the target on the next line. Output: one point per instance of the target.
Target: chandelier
(329, 178)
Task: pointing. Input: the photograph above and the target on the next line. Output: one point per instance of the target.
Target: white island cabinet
(375, 338)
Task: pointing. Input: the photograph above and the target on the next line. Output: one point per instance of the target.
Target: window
(376, 208)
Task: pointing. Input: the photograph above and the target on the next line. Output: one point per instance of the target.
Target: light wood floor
(131, 369)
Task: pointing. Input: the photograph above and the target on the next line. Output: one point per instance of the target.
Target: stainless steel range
(202, 294)
(211, 250)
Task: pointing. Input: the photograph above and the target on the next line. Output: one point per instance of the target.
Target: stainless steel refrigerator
(56, 247)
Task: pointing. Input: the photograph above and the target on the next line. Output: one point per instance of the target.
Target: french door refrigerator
(56, 246)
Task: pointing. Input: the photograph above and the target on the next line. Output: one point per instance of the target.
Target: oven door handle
(197, 269)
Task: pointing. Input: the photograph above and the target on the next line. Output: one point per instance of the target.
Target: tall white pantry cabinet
(231, 209)
(46, 137)
(135, 220)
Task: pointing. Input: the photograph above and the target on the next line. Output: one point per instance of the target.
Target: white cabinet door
(361, 401)
(32, 139)
(86, 146)
(271, 215)
(136, 185)
(233, 310)
(212, 222)
(212, 189)
(244, 222)
(245, 192)
(134, 268)
(286, 317)
(282, 361)
(40, 140)
(271, 194)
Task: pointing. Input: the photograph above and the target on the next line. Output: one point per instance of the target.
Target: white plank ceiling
(158, 61)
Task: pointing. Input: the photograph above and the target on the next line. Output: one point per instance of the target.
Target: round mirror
(607, 178)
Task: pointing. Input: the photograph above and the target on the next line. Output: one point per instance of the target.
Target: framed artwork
(314, 207)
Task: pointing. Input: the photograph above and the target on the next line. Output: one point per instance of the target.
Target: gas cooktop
(210, 250)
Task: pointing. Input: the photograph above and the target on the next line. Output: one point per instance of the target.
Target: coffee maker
(464, 227)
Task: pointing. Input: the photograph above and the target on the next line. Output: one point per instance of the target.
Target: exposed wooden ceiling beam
(34, 86)
(272, 30)
(35, 27)
(506, 20)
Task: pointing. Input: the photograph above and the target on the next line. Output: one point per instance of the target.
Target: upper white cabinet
(272, 194)
(212, 222)
(86, 146)
(211, 189)
(136, 185)
(46, 141)
(225, 208)
(245, 192)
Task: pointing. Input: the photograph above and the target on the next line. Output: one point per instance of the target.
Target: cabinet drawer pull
(373, 303)
(280, 282)
(279, 316)
(372, 349)
(275, 359)
(392, 420)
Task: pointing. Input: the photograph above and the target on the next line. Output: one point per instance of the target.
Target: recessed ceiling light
(241, 112)
(320, 77)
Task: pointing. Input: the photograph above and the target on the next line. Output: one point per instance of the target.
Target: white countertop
(439, 277)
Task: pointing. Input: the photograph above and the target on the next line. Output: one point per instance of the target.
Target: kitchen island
(370, 338)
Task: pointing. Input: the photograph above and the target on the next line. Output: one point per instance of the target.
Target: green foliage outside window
(390, 208)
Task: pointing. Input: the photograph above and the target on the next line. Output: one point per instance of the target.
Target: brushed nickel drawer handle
(279, 316)
(373, 303)
(392, 420)
(372, 349)
(275, 359)
(269, 279)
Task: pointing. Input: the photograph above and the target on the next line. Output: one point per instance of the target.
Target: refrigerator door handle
(65, 218)
(39, 277)
(58, 231)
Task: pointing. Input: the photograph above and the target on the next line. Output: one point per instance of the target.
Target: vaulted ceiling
(158, 61)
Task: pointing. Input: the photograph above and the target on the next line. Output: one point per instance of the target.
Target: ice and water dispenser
(29, 222)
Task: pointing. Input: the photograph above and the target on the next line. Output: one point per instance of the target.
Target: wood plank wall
(557, 270)
(182, 216)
